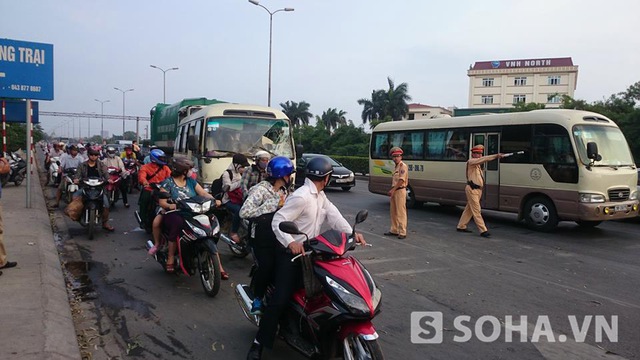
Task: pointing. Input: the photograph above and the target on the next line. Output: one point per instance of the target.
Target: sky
(329, 53)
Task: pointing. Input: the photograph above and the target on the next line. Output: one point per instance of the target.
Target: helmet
(111, 151)
(158, 156)
(261, 154)
(239, 159)
(318, 167)
(181, 164)
(128, 147)
(80, 147)
(279, 167)
(93, 151)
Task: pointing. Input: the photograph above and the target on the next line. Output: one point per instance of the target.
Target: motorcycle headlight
(206, 206)
(591, 198)
(377, 294)
(354, 302)
(196, 229)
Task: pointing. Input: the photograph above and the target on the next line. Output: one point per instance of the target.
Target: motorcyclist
(309, 208)
(68, 161)
(257, 172)
(180, 185)
(129, 156)
(263, 201)
(115, 161)
(82, 152)
(153, 172)
(232, 199)
(147, 159)
(93, 168)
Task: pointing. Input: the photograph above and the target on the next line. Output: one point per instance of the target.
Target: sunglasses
(93, 154)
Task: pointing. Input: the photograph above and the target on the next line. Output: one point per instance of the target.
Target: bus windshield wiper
(224, 153)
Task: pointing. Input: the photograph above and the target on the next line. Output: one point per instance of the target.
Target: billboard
(26, 70)
(15, 111)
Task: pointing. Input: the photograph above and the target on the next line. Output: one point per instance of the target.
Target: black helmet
(93, 151)
(318, 168)
(181, 164)
(239, 159)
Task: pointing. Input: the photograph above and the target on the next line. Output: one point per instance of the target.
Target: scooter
(93, 206)
(52, 177)
(70, 187)
(131, 165)
(196, 249)
(241, 249)
(113, 186)
(18, 170)
(331, 316)
(151, 211)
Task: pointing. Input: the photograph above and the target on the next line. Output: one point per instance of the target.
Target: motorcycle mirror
(289, 227)
(361, 216)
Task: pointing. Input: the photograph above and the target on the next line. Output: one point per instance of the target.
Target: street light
(123, 92)
(164, 81)
(102, 115)
(257, 3)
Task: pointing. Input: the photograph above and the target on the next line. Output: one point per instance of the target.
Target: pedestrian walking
(398, 195)
(473, 190)
(4, 264)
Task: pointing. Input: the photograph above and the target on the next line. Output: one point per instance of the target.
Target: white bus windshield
(225, 135)
(612, 145)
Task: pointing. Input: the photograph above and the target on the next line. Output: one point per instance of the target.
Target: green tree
(17, 136)
(332, 118)
(298, 113)
(390, 103)
(521, 106)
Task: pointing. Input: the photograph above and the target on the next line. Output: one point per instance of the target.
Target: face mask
(262, 164)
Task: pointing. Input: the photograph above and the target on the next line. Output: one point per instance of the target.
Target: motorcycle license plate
(621, 208)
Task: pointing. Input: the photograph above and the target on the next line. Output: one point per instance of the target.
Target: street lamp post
(123, 92)
(257, 3)
(102, 115)
(164, 81)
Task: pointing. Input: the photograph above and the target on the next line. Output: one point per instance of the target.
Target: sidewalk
(35, 318)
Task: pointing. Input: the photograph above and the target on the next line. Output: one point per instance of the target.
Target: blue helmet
(279, 167)
(158, 156)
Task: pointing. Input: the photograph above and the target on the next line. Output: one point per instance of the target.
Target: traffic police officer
(398, 195)
(473, 190)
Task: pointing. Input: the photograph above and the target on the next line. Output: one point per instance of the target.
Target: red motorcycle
(331, 316)
(113, 185)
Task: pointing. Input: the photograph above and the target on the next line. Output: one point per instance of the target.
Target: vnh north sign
(26, 70)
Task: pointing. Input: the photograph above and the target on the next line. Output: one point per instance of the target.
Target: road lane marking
(378, 261)
(410, 272)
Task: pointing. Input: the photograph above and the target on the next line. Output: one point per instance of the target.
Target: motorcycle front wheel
(355, 347)
(209, 272)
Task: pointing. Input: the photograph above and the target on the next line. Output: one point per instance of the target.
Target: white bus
(214, 133)
(576, 165)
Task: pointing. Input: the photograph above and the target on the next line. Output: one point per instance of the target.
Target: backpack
(216, 187)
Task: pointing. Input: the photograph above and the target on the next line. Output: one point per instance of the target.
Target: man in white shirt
(67, 161)
(309, 208)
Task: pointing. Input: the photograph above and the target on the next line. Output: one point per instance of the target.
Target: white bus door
(491, 191)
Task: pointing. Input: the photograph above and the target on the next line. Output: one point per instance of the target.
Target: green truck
(166, 117)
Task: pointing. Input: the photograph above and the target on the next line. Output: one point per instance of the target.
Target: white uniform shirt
(308, 209)
(67, 161)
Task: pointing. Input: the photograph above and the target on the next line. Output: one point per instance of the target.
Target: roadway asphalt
(36, 320)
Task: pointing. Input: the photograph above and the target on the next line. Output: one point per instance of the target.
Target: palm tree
(390, 103)
(332, 118)
(298, 113)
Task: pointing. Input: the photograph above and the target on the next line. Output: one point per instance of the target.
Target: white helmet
(261, 154)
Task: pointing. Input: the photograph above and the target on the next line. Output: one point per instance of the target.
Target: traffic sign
(15, 111)
(26, 70)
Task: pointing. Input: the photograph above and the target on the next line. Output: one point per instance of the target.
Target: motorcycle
(239, 250)
(331, 315)
(113, 186)
(70, 187)
(151, 211)
(52, 176)
(18, 170)
(93, 206)
(196, 249)
(131, 165)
